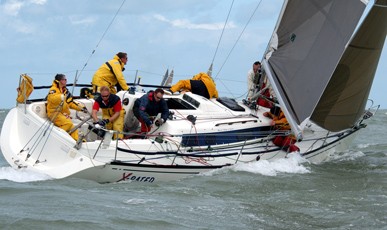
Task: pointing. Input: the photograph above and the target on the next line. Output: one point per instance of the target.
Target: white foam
(346, 156)
(21, 175)
(294, 163)
(363, 146)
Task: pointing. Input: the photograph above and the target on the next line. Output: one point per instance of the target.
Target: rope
(240, 35)
(50, 127)
(103, 35)
(221, 35)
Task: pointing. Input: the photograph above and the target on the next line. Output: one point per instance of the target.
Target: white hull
(315, 69)
(29, 140)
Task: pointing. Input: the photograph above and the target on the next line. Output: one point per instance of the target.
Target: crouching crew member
(147, 107)
(112, 112)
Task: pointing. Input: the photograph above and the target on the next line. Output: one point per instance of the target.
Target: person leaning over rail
(110, 75)
(112, 112)
(59, 103)
(279, 120)
(147, 107)
(200, 84)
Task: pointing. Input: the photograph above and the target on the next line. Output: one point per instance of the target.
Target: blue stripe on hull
(225, 137)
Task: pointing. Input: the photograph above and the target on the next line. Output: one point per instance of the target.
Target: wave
(346, 156)
(21, 175)
(294, 164)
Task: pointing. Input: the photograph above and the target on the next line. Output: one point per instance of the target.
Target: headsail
(305, 49)
(344, 100)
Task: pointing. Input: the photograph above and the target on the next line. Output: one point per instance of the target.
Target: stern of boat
(32, 142)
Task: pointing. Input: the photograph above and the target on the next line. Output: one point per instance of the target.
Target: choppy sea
(348, 192)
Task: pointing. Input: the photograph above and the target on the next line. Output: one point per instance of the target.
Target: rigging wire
(240, 35)
(100, 40)
(221, 35)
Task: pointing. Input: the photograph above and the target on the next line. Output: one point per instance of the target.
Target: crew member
(59, 102)
(110, 74)
(112, 112)
(200, 84)
(147, 107)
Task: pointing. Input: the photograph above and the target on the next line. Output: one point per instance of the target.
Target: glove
(103, 122)
(84, 110)
(159, 122)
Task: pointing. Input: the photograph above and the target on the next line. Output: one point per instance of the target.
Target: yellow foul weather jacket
(210, 84)
(187, 85)
(59, 102)
(109, 74)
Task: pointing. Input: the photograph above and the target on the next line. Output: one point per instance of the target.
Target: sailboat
(321, 73)
(167, 79)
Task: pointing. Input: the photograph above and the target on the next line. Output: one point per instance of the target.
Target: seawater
(348, 192)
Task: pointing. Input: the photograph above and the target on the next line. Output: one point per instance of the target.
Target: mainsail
(306, 46)
(345, 98)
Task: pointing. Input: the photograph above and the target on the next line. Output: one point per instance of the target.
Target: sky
(74, 37)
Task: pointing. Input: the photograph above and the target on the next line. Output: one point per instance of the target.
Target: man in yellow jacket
(110, 74)
(59, 102)
(200, 84)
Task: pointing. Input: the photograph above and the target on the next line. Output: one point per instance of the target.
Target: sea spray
(23, 175)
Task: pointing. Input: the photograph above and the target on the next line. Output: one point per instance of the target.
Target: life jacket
(112, 100)
(108, 109)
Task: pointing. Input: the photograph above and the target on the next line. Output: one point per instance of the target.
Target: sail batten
(305, 49)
